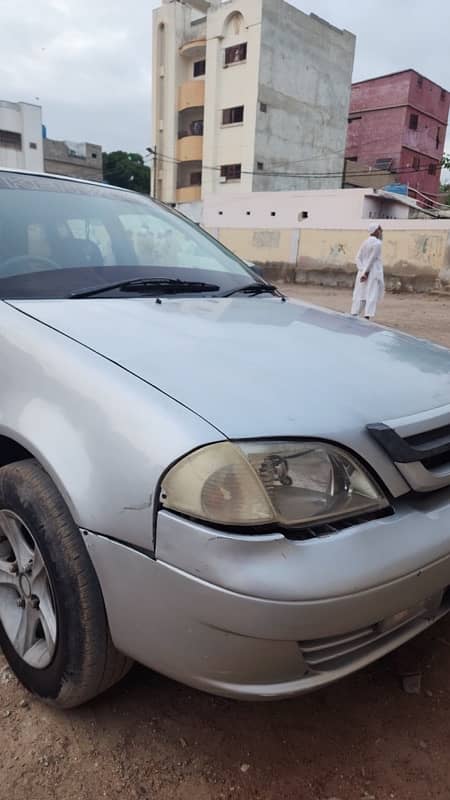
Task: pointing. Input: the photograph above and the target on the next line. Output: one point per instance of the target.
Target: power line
(311, 175)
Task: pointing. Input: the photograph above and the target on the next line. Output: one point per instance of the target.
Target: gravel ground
(363, 739)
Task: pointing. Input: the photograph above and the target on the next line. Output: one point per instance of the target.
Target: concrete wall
(322, 247)
(26, 120)
(414, 259)
(332, 209)
(59, 161)
(360, 175)
(305, 78)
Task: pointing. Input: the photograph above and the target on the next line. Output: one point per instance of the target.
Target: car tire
(53, 627)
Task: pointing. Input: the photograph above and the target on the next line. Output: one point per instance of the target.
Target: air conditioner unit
(222, 179)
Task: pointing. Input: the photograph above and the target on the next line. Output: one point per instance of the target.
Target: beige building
(248, 95)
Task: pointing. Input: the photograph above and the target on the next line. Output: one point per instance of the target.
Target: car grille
(419, 446)
(322, 655)
(328, 528)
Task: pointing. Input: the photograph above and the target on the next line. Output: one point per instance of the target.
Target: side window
(93, 230)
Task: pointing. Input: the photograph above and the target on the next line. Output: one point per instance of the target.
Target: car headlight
(266, 483)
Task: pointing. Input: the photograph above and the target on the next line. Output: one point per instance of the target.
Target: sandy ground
(363, 739)
(426, 316)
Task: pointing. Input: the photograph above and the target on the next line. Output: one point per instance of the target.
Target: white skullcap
(373, 227)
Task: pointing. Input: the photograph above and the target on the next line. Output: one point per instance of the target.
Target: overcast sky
(87, 62)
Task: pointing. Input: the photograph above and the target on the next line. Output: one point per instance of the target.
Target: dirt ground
(426, 316)
(149, 738)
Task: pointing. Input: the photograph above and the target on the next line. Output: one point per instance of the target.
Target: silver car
(243, 492)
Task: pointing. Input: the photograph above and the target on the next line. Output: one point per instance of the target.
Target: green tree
(445, 187)
(126, 170)
(445, 190)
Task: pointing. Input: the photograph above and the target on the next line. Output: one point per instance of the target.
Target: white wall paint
(344, 209)
(25, 119)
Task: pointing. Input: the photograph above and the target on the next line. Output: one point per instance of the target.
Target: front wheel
(53, 628)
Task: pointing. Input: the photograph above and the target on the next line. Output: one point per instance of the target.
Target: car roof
(33, 174)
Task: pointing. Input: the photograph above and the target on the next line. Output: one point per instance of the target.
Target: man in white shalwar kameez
(369, 284)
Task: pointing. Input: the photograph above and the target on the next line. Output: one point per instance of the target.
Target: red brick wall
(385, 106)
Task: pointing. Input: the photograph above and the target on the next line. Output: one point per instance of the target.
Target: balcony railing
(191, 94)
(188, 194)
(190, 148)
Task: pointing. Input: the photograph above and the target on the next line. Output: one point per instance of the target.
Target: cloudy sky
(87, 62)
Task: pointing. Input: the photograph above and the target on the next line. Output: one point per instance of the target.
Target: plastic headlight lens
(263, 483)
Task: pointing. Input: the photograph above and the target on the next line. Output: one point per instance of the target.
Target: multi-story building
(398, 123)
(21, 136)
(76, 159)
(248, 95)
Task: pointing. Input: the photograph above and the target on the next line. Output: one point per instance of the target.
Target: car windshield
(59, 238)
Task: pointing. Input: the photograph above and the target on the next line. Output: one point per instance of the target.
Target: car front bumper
(248, 645)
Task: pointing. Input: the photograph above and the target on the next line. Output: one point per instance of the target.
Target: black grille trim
(329, 528)
(403, 451)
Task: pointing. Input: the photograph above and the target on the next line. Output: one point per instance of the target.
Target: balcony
(194, 49)
(189, 194)
(191, 94)
(190, 148)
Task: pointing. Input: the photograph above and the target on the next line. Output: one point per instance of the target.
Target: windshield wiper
(255, 288)
(169, 285)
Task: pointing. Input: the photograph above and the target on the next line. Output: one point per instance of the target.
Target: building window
(11, 139)
(199, 68)
(438, 138)
(419, 81)
(196, 178)
(416, 162)
(259, 165)
(263, 107)
(443, 95)
(432, 169)
(94, 155)
(414, 122)
(231, 172)
(231, 116)
(235, 54)
(33, 146)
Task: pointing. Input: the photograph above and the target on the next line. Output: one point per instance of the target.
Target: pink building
(399, 122)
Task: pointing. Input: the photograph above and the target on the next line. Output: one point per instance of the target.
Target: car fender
(103, 435)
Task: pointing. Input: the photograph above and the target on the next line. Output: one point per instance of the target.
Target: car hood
(259, 366)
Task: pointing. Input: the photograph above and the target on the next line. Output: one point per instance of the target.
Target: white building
(21, 136)
(247, 94)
